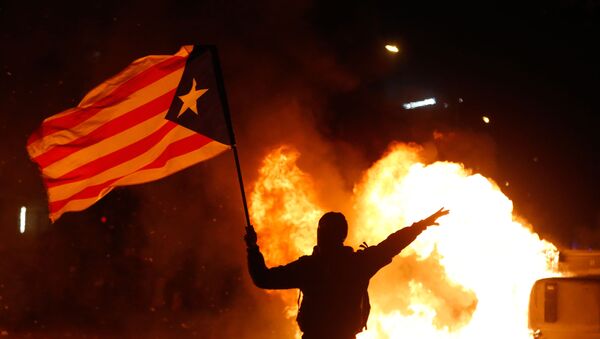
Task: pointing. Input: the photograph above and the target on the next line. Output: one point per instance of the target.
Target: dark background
(167, 257)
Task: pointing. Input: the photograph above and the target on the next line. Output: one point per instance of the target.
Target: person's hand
(250, 237)
(432, 219)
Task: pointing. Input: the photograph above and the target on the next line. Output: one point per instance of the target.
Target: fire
(469, 277)
(283, 212)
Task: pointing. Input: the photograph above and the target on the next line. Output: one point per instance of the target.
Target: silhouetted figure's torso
(333, 282)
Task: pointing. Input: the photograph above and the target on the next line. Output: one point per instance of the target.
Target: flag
(161, 114)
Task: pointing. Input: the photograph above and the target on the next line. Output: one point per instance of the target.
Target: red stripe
(113, 159)
(139, 81)
(111, 128)
(175, 149)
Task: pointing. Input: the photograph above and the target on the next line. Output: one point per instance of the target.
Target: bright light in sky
(392, 48)
(485, 119)
(415, 104)
(22, 217)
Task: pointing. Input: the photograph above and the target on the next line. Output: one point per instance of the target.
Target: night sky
(300, 72)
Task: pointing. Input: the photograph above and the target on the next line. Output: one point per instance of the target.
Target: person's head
(332, 230)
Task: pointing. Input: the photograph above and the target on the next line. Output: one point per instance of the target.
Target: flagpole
(223, 95)
(239, 173)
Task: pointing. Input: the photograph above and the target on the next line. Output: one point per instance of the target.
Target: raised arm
(280, 277)
(382, 254)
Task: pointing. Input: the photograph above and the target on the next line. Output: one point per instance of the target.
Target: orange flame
(283, 212)
(469, 277)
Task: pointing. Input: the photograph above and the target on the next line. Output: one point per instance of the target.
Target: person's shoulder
(366, 251)
(364, 248)
(305, 259)
(360, 253)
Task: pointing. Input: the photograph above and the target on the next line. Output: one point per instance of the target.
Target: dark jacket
(334, 283)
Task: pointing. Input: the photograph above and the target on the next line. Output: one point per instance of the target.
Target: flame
(283, 212)
(469, 277)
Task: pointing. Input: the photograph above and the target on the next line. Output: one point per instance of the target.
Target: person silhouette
(334, 279)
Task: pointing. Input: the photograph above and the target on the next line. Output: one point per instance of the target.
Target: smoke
(277, 89)
(167, 258)
(169, 251)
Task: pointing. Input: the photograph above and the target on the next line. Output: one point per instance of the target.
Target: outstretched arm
(281, 277)
(383, 253)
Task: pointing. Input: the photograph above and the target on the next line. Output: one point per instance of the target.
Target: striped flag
(162, 114)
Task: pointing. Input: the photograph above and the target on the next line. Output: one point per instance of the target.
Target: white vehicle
(568, 307)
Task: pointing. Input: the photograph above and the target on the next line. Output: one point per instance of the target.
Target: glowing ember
(468, 278)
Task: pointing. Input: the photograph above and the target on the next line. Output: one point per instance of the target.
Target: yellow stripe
(105, 147)
(65, 191)
(173, 165)
(137, 99)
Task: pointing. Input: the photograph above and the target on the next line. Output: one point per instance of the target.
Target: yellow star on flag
(190, 100)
